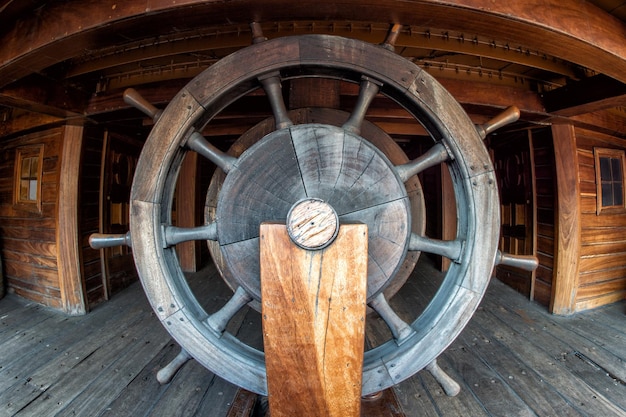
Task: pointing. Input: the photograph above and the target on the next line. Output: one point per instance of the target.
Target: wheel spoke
(133, 98)
(199, 144)
(167, 373)
(174, 235)
(400, 329)
(101, 241)
(525, 262)
(449, 248)
(219, 320)
(434, 156)
(274, 91)
(367, 92)
(509, 115)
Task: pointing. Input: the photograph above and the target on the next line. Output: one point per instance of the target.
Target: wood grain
(568, 221)
(313, 307)
(68, 255)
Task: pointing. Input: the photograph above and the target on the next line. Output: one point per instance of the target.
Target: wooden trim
(68, 254)
(103, 217)
(533, 226)
(568, 221)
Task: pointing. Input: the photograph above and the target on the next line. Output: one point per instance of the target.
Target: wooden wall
(28, 239)
(602, 268)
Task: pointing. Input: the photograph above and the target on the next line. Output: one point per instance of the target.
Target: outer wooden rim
(207, 94)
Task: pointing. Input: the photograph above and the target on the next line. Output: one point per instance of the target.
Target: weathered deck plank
(513, 359)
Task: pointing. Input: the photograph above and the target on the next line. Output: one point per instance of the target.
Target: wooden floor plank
(463, 404)
(120, 372)
(577, 392)
(574, 336)
(185, 393)
(141, 394)
(542, 398)
(81, 336)
(490, 388)
(62, 380)
(540, 364)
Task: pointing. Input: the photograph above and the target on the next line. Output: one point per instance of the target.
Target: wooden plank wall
(544, 185)
(28, 239)
(89, 215)
(602, 276)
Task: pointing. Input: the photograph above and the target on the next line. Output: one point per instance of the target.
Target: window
(28, 162)
(610, 180)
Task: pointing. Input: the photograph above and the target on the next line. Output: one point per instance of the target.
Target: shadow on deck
(513, 359)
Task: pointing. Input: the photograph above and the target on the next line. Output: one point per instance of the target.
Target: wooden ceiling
(64, 60)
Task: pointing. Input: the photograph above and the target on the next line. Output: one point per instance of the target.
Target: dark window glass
(612, 187)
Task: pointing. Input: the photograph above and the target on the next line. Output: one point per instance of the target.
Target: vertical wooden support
(313, 307)
(565, 284)
(531, 234)
(68, 253)
(448, 212)
(188, 252)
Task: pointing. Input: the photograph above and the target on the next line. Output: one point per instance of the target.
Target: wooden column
(565, 278)
(68, 254)
(448, 212)
(188, 252)
(313, 307)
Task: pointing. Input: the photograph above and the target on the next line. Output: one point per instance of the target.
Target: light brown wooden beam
(71, 284)
(568, 221)
(567, 29)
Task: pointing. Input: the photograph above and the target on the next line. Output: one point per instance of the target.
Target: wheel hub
(313, 161)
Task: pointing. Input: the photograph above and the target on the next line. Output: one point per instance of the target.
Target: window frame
(612, 154)
(21, 154)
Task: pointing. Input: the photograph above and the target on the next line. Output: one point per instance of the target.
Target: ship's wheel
(324, 154)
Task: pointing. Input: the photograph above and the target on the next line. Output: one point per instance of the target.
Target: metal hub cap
(312, 224)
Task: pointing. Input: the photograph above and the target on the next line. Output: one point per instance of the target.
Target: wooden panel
(614, 248)
(313, 306)
(606, 261)
(602, 288)
(603, 237)
(568, 221)
(28, 239)
(586, 304)
(602, 275)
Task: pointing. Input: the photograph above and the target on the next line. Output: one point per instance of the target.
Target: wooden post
(568, 234)
(313, 307)
(71, 282)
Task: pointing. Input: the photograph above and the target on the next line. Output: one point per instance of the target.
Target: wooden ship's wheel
(323, 154)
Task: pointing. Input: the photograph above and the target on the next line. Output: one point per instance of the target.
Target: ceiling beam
(567, 29)
(41, 95)
(586, 96)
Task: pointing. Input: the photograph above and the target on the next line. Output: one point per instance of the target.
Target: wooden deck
(513, 359)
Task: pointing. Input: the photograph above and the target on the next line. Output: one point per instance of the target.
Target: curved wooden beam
(568, 29)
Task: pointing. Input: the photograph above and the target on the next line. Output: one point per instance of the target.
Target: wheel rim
(455, 142)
